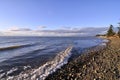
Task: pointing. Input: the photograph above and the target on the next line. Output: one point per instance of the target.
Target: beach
(102, 64)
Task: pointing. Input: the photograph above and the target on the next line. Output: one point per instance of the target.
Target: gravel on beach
(103, 64)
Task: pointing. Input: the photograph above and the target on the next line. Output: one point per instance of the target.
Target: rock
(84, 66)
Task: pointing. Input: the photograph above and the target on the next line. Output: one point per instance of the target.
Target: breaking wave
(43, 71)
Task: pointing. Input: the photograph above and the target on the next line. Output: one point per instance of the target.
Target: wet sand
(102, 64)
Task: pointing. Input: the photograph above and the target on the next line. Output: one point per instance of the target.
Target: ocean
(34, 58)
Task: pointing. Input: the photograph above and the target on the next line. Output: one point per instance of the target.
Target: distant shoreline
(103, 64)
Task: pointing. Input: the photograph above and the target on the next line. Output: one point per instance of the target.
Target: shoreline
(102, 64)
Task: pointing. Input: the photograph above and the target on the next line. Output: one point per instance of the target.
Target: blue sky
(26, 15)
(58, 13)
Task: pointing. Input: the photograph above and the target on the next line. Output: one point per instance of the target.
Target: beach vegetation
(118, 33)
(110, 31)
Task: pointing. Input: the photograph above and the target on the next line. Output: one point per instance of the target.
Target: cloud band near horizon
(89, 31)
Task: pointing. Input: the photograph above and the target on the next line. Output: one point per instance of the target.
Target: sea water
(34, 58)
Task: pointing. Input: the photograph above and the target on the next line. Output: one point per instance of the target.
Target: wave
(15, 46)
(12, 41)
(43, 71)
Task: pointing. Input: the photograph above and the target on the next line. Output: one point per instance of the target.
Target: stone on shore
(95, 65)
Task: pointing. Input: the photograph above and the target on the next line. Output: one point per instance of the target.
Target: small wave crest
(43, 71)
(15, 46)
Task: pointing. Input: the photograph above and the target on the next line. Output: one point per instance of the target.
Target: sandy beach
(103, 64)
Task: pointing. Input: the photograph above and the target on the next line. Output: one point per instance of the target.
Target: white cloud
(18, 29)
(41, 27)
(65, 28)
(15, 31)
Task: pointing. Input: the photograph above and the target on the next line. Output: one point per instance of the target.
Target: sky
(27, 15)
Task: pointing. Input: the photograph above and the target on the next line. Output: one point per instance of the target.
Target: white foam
(1, 75)
(103, 44)
(12, 70)
(42, 72)
(105, 40)
(26, 67)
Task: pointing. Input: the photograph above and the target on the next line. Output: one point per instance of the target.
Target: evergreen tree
(110, 31)
(118, 32)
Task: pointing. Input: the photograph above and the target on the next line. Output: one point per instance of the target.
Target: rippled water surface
(40, 54)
